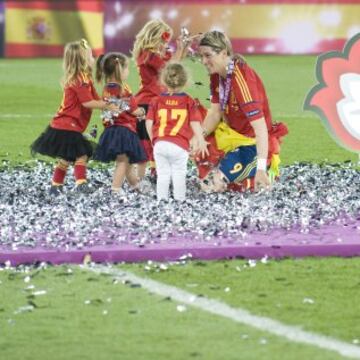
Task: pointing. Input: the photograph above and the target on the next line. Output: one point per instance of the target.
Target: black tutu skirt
(118, 140)
(64, 144)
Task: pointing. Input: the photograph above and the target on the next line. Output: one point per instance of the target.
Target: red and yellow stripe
(244, 89)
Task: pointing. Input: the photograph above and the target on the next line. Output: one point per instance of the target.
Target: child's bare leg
(121, 165)
(131, 175)
(141, 169)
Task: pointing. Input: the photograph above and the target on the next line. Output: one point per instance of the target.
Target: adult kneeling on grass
(245, 140)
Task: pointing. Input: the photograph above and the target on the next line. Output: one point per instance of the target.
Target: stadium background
(41, 28)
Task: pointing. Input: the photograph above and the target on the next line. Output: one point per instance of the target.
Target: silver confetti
(181, 308)
(39, 293)
(306, 197)
(22, 309)
(308, 301)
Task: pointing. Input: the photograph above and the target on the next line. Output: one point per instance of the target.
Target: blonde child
(119, 142)
(151, 54)
(63, 138)
(172, 120)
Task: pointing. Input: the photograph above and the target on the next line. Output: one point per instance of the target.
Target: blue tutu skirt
(118, 140)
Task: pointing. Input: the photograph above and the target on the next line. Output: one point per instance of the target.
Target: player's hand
(262, 181)
(201, 147)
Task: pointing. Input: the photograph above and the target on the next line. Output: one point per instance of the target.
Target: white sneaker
(144, 187)
(119, 195)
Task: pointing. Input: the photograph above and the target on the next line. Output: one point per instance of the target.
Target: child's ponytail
(99, 68)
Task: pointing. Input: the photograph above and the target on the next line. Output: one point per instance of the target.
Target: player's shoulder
(155, 101)
(214, 78)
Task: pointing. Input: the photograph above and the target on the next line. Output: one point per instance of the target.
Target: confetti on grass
(306, 196)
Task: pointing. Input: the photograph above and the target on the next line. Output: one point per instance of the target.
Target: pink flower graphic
(336, 99)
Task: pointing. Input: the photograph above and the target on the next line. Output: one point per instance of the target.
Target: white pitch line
(292, 333)
(25, 116)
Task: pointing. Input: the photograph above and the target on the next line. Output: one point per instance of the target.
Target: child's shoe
(56, 190)
(144, 187)
(119, 195)
(85, 188)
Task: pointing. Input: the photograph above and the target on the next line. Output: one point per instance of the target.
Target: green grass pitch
(121, 322)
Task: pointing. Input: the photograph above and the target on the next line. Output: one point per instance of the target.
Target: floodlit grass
(87, 316)
(129, 323)
(321, 294)
(31, 93)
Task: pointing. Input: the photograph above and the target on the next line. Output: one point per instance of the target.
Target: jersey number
(237, 167)
(179, 115)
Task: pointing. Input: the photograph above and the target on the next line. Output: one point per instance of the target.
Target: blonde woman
(173, 118)
(151, 54)
(63, 138)
(239, 98)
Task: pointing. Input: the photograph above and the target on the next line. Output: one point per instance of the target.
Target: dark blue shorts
(239, 164)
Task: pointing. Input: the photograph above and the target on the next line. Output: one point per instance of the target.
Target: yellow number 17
(179, 115)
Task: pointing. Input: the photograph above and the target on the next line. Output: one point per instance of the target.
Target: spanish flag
(42, 28)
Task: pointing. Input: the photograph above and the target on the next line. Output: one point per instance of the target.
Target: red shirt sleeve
(133, 103)
(194, 111)
(84, 91)
(214, 89)
(248, 92)
(155, 61)
(151, 115)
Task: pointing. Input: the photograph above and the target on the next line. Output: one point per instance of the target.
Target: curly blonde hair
(174, 76)
(150, 37)
(75, 62)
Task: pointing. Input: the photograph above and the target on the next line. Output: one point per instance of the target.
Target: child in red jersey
(172, 120)
(151, 55)
(63, 138)
(119, 142)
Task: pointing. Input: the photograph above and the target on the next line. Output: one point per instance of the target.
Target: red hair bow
(165, 36)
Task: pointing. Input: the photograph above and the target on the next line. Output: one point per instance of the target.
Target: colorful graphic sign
(336, 99)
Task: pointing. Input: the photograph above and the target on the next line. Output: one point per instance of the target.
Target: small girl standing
(119, 142)
(63, 138)
(172, 120)
(151, 54)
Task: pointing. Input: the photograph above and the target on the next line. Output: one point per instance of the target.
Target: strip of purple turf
(338, 239)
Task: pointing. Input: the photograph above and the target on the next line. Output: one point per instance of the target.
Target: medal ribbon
(225, 85)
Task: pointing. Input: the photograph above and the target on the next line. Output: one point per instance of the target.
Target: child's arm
(200, 144)
(139, 112)
(100, 104)
(149, 125)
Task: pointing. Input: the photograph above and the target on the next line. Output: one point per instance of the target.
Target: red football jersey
(71, 114)
(171, 116)
(125, 118)
(247, 100)
(149, 65)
